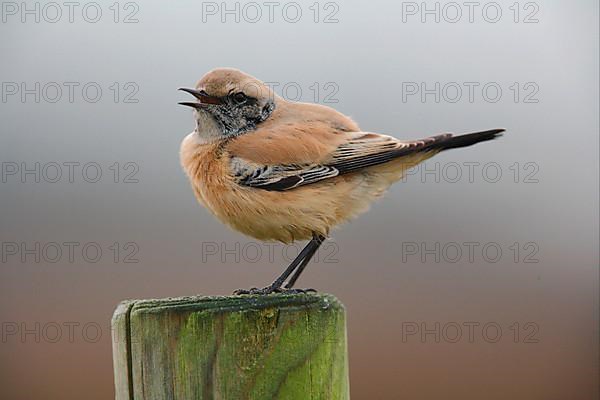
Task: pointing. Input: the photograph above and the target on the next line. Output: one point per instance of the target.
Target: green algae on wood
(278, 346)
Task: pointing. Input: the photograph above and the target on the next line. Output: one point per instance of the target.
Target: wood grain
(239, 347)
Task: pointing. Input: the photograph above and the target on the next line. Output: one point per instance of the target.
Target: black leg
(299, 263)
(318, 239)
(307, 251)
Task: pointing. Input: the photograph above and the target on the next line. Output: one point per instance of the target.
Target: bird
(285, 171)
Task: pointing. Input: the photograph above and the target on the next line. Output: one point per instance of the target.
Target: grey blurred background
(476, 277)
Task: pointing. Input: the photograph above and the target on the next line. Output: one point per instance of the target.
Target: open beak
(203, 99)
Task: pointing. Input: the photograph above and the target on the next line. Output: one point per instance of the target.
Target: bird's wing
(370, 149)
(278, 177)
(291, 157)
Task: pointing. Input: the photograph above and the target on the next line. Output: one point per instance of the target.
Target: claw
(303, 291)
(248, 291)
(268, 290)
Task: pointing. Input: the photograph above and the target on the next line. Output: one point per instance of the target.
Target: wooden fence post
(279, 346)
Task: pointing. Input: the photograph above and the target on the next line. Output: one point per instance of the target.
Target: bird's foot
(271, 289)
(249, 291)
(296, 291)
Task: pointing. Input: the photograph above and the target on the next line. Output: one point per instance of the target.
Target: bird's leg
(318, 239)
(306, 252)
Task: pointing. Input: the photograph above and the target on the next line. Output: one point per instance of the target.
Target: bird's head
(229, 103)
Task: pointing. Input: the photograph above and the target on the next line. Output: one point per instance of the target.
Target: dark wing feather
(361, 150)
(279, 177)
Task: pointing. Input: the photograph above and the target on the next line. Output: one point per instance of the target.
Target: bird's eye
(239, 98)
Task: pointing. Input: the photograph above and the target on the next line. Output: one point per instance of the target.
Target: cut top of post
(277, 346)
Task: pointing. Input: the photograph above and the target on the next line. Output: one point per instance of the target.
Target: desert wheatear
(285, 171)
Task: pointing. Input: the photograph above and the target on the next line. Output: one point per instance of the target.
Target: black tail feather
(454, 142)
